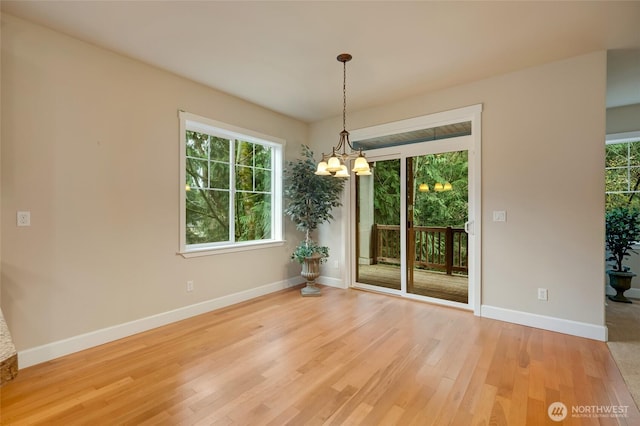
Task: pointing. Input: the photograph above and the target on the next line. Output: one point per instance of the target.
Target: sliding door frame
(472, 144)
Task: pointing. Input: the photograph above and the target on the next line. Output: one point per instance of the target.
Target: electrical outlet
(189, 286)
(23, 219)
(542, 294)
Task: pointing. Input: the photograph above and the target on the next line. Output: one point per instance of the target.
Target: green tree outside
(622, 175)
(208, 186)
(445, 208)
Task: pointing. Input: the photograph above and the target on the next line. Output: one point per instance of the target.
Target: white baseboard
(331, 282)
(574, 328)
(39, 354)
(632, 292)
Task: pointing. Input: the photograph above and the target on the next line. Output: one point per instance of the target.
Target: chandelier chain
(344, 96)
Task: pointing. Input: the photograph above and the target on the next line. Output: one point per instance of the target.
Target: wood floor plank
(347, 358)
(484, 408)
(517, 410)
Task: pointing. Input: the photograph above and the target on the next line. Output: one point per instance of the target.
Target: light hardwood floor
(349, 357)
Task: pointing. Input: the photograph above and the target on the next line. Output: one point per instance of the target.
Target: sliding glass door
(412, 223)
(415, 223)
(379, 241)
(437, 210)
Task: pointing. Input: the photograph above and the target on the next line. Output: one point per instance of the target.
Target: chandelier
(336, 163)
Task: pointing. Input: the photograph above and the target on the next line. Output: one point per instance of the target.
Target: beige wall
(90, 147)
(543, 162)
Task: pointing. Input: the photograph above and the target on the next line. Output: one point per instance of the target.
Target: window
(230, 185)
(622, 183)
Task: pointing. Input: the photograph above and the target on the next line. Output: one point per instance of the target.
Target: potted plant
(622, 232)
(310, 199)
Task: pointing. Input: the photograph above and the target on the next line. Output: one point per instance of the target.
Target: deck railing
(438, 248)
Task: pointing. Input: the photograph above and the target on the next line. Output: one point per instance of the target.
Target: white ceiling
(281, 55)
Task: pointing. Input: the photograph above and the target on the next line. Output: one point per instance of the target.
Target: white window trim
(193, 122)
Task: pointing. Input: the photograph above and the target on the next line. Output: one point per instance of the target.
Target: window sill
(210, 251)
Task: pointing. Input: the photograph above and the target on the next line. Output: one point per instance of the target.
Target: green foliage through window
(622, 175)
(228, 189)
(386, 187)
(446, 208)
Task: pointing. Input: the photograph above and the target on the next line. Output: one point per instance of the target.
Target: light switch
(23, 218)
(499, 216)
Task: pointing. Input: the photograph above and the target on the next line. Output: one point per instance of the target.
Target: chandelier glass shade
(336, 163)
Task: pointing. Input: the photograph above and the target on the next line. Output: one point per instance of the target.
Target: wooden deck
(425, 283)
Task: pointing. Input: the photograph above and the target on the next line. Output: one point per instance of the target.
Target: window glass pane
(220, 149)
(197, 173)
(616, 155)
(219, 175)
(207, 216)
(622, 200)
(253, 216)
(634, 153)
(634, 183)
(244, 178)
(446, 208)
(263, 180)
(197, 145)
(616, 180)
(263, 156)
(244, 153)
(387, 192)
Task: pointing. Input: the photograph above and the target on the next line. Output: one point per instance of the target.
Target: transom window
(231, 187)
